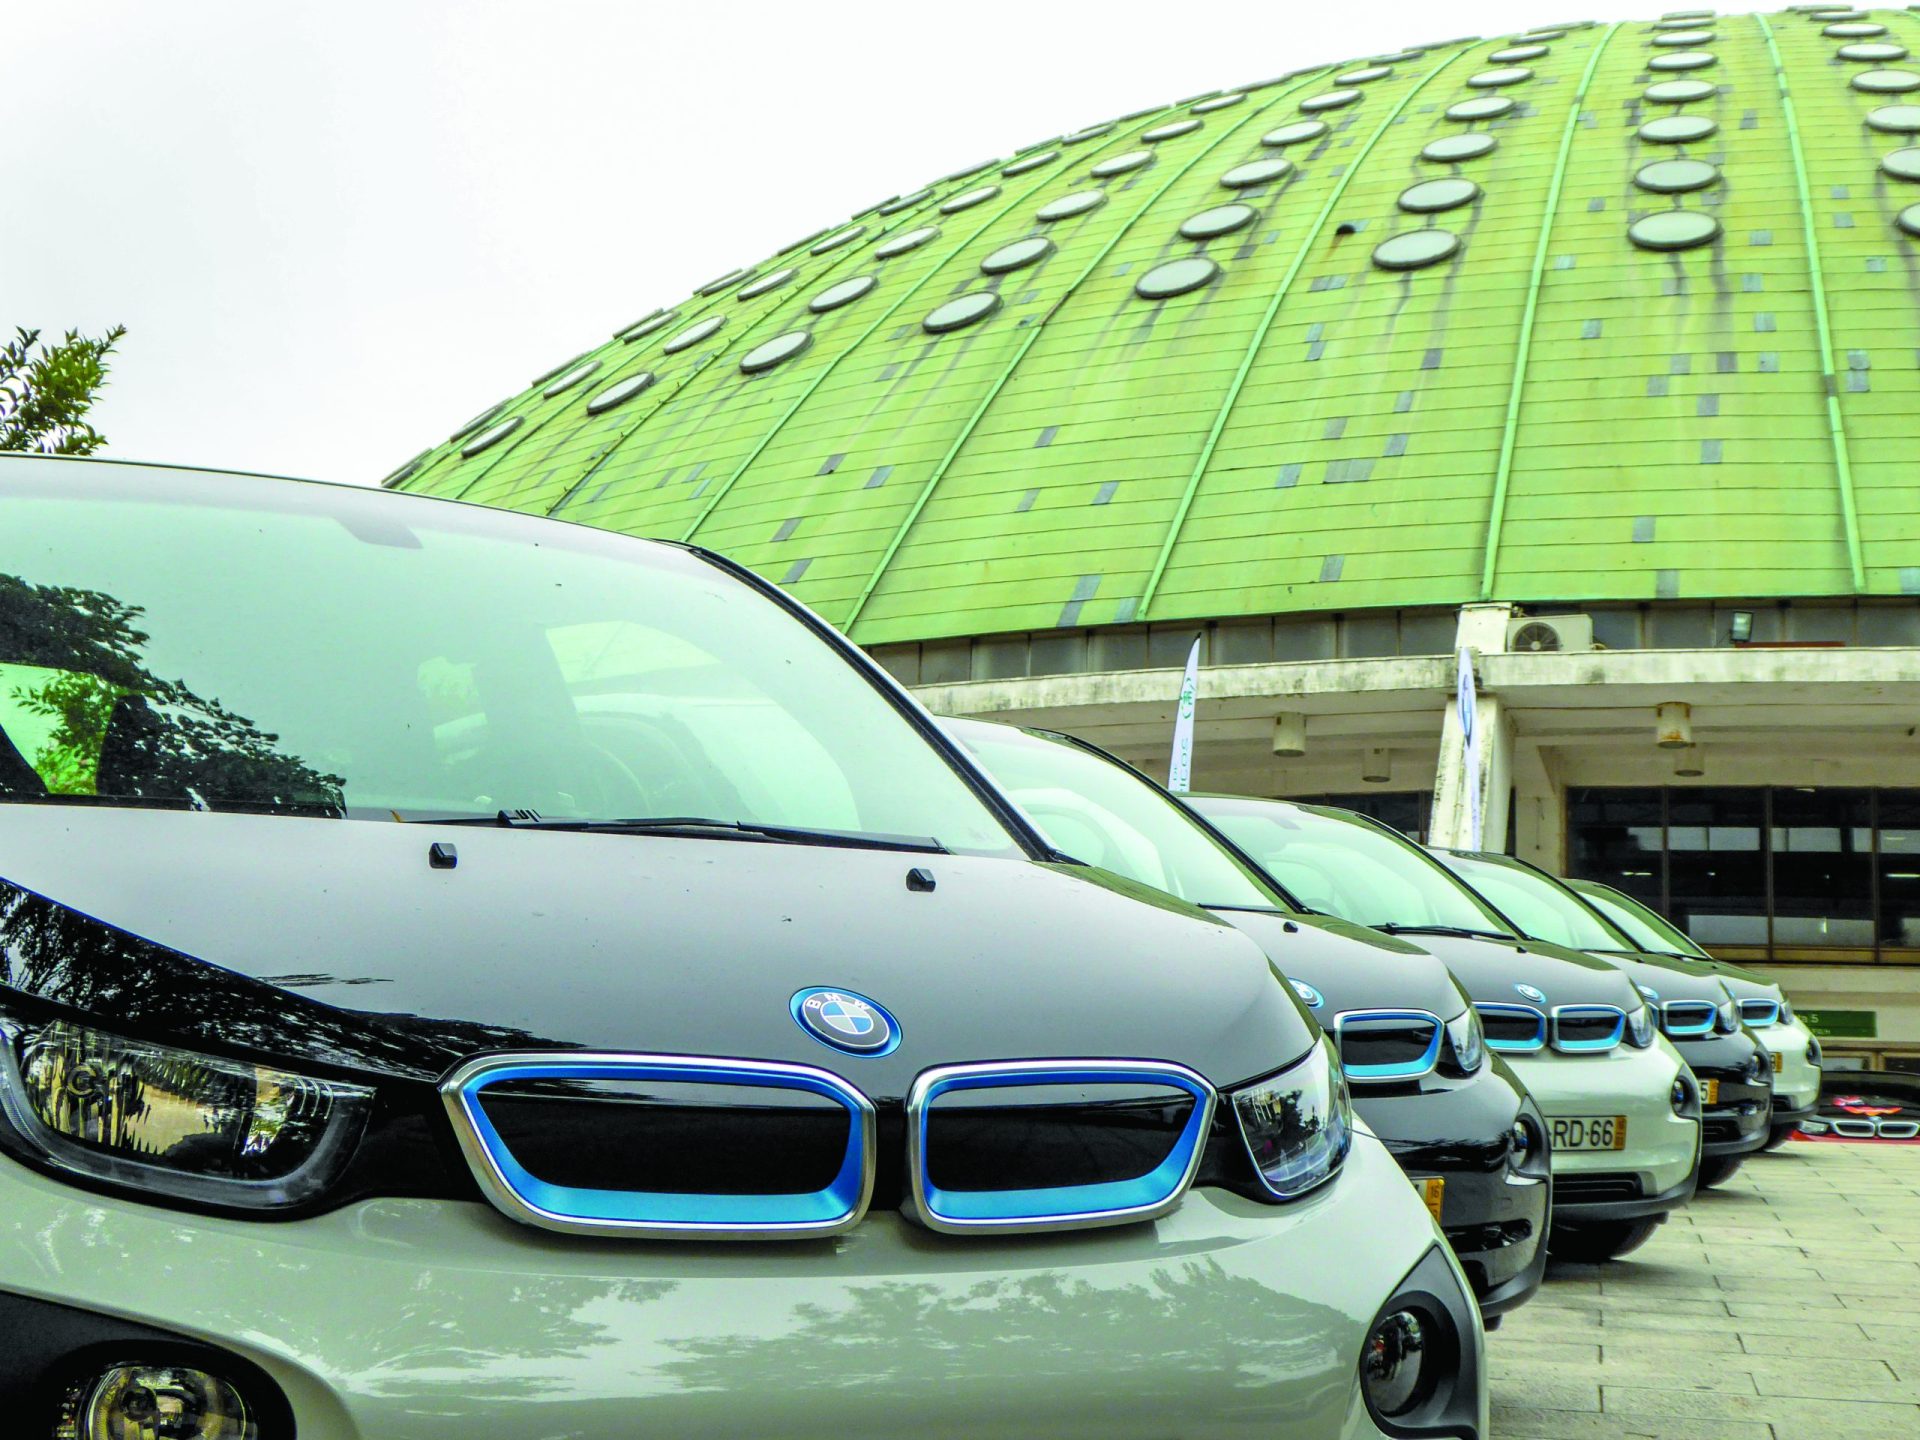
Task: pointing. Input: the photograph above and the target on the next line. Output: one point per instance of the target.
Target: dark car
(1622, 1108)
(1695, 1009)
(426, 932)
(1877, 1105)
(1458, 1120)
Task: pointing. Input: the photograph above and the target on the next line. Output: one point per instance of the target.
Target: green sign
(1842, 1024)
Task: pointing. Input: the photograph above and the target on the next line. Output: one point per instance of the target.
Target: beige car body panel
(1661, 1147)
(414, 1319)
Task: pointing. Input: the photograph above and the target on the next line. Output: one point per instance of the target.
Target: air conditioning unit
(1535, 634)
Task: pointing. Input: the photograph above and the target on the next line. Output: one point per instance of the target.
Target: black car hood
(1489, 970)
(333, 940)
(1668, 978)
(1353, 967)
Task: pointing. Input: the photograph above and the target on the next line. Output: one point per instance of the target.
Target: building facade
(1590, 354)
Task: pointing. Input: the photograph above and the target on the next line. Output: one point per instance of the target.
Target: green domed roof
(1594, 312)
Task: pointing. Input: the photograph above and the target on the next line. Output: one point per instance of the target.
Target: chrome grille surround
(659, 1214)
(1066, 1207)
(1537, 1018)
(1861, 1129)
(1760, 1013)
(1596, 1046)
(1685, 1019)
(1896, 1129)
(1408, 1070)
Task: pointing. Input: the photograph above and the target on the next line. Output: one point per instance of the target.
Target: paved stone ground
(1783, 1306)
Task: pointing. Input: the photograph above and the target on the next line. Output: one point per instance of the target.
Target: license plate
(1590, 1132)
(1433, 1190)
(1779, 1062)
(1712, 1095)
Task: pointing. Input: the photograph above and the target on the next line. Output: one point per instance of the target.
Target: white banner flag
(1465, 698)
(1180, 773)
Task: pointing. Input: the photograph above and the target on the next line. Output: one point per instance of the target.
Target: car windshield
(1099, 811)
(233, 642)
(1349, 867)
(1539, 905)
(1648, 929)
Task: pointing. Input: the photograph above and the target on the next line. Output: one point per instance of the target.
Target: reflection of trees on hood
(153, 738)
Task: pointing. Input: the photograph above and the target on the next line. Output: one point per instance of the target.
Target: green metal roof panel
(1549, 411)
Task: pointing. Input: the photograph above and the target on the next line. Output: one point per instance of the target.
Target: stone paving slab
(1784, 1305)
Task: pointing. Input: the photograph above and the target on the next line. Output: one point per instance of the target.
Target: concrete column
(1482, 630)
(1540, 829)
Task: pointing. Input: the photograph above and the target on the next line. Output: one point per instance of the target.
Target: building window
(1408, 811)
(1781, 873)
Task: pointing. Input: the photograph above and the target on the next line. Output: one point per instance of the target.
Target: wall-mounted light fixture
(1740, 628)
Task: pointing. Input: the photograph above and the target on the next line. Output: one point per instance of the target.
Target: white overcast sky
(335, 231)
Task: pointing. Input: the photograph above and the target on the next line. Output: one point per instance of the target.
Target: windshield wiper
(696, 826)
(1391, 928)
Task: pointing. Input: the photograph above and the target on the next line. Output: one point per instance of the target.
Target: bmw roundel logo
(1309, 996)
(1529, 992)
(1648, 991)
(846, 1021)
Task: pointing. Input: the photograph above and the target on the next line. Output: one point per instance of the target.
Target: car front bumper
(442, 1320)
(1796, 1084)
(1655, 1168)
(1740, 1119)
(1495, 1217)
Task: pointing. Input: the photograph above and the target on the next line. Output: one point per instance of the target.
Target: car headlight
(173, 1122)
(1727, 1017)
(1298, 1125)
(1786, 1011)
(1760, 1068)
(1641, 1028)
(1467, 1040)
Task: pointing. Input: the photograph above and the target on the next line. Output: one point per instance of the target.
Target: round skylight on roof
(1176, 277)
(957, 314)
(904, 202)
(1018, 255)
(1430, 197)
(477, 421)
(843, 237)
(1677, 130)
(1031, 162)
(968, 200)
(1069, 206)
(1876, 52)
(1092, 132)
(1365, 75)
(1546, 34)
(1480, 107)
(1255, 172)
(1515, 54)
(545, 375)
(1902, 164)
(620, 392)
(1121, 164)
(1854, 30)
(1416, 249)
(1506, 75)
(572, 378)
(1684, 39)
(1173, 130)
(694, 334)
(1219, 102)
(1886, 82)
(1675, 177)
(1453, 149)
(907, 240)
(1680, 92)
(1896, 119)
(845, 293)
(772, 280)
(1674, 230)
(492, 435)
(1909, 219)
(770, 353)
(640, 329)
(1220, 220)
(1682, 23)
(1329, 100)
(714, 287)
(1296, 133)
(1683, 60)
